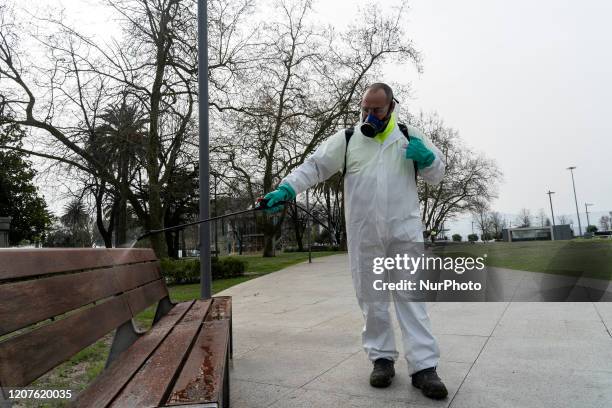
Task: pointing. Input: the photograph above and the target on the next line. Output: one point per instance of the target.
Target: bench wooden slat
(36, 285)
(150, 385)
(29, 355)
(221, 308)
(131, 276)
(32, 301)
(108, 384)
(141, 298)
(201, 379)
(19, 263)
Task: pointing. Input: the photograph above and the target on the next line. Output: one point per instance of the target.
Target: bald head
(378, 100)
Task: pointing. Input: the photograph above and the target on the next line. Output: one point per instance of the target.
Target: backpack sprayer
(260, 204)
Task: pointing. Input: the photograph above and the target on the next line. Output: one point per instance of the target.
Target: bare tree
(306, 86)
(480, 213)
(541, 216)
(470, 179)
(524, 218)
(497, 224)
(62, 97)
(604, 223)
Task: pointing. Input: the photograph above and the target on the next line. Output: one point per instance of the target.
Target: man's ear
(391, 109)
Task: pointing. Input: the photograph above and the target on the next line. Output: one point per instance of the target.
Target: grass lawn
(256, 266)
(82, 368)
(578, 257)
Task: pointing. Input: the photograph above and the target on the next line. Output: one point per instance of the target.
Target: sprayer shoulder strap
(348, 133)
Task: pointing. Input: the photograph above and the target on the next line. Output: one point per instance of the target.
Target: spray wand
(261, 204)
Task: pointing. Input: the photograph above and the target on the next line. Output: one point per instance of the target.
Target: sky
(525, 83)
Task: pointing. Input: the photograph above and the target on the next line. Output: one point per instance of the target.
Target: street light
(571, 169)
(550, 193)
(586, 209)
(205, 273)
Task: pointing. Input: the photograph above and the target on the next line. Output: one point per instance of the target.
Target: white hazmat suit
(383, 219)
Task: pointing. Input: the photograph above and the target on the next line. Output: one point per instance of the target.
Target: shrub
(229, 267)
(487, 236)
(188, 270)
(457, 238)
(314, 248)
(472, 237)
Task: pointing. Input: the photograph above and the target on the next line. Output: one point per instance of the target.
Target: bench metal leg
(226, 378)
(231, 339)
(4, 402)
(163, 307)
(125, 336)
(127, 333)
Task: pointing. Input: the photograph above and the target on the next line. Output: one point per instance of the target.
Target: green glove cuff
(288, 190)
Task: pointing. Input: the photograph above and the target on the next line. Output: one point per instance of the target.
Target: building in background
(560, 232)
(5, 226)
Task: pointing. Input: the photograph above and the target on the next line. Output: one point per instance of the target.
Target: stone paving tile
(300, 347)
(284, 366)
(460, 349)
(475, 319)
(511, 327)
(352, 377)
(552, 311)
(506, 386)
(303, 398)
(248, 394)
(555, 354)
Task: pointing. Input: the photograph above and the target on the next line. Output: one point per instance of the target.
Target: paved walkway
(297, 343)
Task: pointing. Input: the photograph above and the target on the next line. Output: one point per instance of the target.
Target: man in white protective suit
(383, 220)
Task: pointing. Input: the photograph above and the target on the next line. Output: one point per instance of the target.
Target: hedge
(188, 270)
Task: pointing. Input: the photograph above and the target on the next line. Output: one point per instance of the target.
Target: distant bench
(56, 302)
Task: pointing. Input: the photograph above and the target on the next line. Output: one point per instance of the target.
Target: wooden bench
(56, 302)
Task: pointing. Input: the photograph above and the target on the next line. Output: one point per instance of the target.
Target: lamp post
(215, 175)
(308, 227)
(586, 210)
(205, 273)
(571, 169)
(550, 193)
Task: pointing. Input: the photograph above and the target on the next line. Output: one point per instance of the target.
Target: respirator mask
(372, 126)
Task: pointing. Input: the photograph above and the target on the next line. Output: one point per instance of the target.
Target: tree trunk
(107, 234)
(122, 216)
(172, 242)
(270, 230)
(296, 228)
(268, 250)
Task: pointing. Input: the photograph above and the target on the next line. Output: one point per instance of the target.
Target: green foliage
(19, 197)
(188, 270)
(457, 238)
(472, 237)
(74, 229)
(487, 236)
(314, 248)
(227, 267)
(591, 228)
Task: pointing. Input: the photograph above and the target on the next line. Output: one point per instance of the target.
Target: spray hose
(260, 205)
